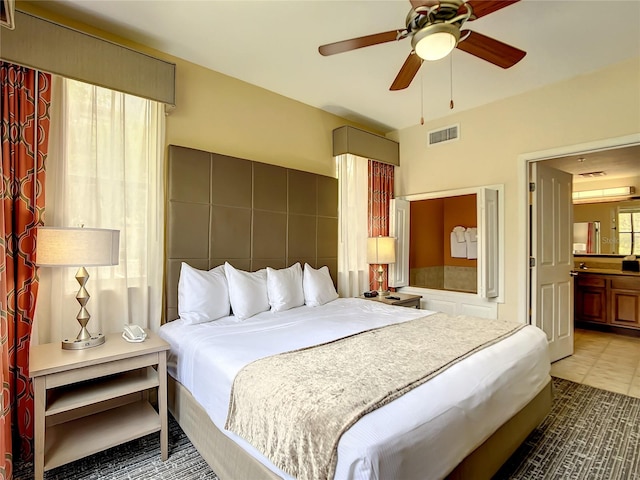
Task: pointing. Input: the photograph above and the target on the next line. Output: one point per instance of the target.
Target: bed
(463, 423)
(446, 420)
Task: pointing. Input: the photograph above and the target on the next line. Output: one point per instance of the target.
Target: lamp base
(76, 344)
(381, 292)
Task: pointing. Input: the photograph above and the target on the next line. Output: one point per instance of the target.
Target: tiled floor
(603, 360)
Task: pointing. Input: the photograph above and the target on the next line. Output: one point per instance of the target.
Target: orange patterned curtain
(26, 97)
(380, 194)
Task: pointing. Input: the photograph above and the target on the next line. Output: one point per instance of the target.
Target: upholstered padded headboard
(251, 214)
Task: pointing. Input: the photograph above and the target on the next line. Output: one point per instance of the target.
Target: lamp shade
(77, 247)
(381, 250)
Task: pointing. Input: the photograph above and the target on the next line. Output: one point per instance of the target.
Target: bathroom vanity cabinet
(608, 298)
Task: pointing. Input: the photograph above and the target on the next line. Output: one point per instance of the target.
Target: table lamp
(381, 251)
(78, 247)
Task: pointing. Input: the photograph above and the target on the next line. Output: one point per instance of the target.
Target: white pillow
(284, 288)
(202, 295)
(247, 291)
(318, 286)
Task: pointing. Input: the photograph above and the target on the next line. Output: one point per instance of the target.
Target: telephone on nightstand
(133, 333)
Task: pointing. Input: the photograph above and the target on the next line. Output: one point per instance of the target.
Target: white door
(552, 262)
(399, 221)
(488, 238)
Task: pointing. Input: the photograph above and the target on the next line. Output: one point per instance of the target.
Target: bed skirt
(230, 461)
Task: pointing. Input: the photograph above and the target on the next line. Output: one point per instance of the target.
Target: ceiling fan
(434, 28)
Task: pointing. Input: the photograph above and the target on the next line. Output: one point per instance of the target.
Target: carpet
(589, 434)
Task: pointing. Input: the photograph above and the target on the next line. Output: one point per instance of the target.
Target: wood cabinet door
(625, 308)
(591, 303)
(591, 299)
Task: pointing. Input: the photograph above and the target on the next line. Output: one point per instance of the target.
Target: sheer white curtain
(353, 270)
(105, 170)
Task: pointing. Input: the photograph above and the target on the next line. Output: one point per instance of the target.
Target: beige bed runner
(293, 407)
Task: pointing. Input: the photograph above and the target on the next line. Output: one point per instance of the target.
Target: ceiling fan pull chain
(451, 80)
(421, 100)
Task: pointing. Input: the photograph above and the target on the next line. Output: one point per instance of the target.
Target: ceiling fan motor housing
(449, 11)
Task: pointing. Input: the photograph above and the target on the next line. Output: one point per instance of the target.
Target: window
(629, 232)
(104, 170)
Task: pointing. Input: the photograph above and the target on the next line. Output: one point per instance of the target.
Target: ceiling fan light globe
(435, 41)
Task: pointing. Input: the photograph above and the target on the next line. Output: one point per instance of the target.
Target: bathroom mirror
(612, 227)
(586, 238)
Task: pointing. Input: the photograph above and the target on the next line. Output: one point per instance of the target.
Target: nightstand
(406, 300)
(86, 401)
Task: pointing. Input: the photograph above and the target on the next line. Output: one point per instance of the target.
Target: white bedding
(423, 434)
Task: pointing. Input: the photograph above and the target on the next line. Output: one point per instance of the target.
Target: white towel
(459, 231)
(471, 234)
(471, 238)
(458, 249)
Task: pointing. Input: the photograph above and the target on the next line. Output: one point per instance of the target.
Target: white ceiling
(274, 44)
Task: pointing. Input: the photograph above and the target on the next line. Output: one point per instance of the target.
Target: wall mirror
(607, 228)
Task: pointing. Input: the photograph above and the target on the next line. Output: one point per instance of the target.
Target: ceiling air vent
(443, 135)
(593, 174)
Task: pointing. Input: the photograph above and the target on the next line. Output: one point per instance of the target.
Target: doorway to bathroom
(547, 249)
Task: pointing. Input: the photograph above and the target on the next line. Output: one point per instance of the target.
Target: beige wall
(218, 113)
(601, 105)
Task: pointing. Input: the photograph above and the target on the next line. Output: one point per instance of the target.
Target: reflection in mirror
(586, 237)
(443, 243)
(629, 231)
(619, 226)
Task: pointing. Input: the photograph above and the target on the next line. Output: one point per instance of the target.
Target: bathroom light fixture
(435, 41)
(604, 193)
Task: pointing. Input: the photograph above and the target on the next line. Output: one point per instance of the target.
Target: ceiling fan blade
(489, 49)
(407, 72)
(485, 7)
(355, 43)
